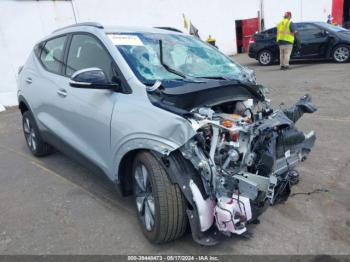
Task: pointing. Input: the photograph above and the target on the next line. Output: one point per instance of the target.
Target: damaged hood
(188, 95)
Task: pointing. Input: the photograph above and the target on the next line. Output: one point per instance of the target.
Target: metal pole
(74, 11)
(262, 16)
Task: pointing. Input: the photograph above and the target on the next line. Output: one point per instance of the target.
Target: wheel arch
(175, 165)
(23, 105)
(126, 153)
(124, 175)
(331, 49)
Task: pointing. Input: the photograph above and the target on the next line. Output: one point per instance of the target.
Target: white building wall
(22, 24)
(316, 10)
(302, 10)
(210, 17)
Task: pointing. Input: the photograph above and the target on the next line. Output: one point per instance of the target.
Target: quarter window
(86, 52)
(52, 54)
(37, 49)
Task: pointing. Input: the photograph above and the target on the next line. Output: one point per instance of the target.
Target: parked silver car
(169, 119)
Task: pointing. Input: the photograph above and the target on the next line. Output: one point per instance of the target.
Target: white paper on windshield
(125, 40)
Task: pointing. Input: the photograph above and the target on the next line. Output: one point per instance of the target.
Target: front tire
(160, 205)
(341, 53)
(33, 138)
(265, 58)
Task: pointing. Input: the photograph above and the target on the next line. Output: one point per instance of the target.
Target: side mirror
(92, 78)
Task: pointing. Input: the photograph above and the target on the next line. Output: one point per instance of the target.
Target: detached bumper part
(303, 105)
(205, 208)
(232, 214)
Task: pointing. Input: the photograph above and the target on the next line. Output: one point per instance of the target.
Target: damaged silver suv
(167, 118)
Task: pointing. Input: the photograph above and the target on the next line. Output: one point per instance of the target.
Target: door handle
(62, 92)
(29, 80)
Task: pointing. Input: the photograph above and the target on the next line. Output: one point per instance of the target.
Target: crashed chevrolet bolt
(167, 118)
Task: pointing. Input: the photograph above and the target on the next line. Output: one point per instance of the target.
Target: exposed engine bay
(245, 153)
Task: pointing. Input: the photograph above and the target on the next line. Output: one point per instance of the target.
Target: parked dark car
(313, 40)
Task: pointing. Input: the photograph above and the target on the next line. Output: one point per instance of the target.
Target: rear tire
(341, 53)
(160, 205)
(265, 57)
(32, 135)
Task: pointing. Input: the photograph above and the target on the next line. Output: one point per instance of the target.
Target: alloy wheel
(29, 134)
(265, 58)
(144, 197)
(341, 54)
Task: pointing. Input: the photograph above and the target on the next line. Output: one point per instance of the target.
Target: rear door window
(308, 31)
(269, 34)
(304, 26)
(52, 54)
(272, 31)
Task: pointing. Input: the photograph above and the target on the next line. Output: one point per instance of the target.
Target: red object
(252, 40)
(235, 135)
(337, 11)
(249, 28)
(288, 13)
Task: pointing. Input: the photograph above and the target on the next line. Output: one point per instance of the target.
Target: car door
(313, 40)
(85, 114)
(42, 80)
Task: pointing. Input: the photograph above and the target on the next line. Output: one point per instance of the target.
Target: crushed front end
(246, 159)
(244, 155)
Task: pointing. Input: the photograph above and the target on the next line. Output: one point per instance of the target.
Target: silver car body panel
(228, 165)
(99, 123)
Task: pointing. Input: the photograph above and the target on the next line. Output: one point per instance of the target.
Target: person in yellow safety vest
(285, 39)
(211, 40)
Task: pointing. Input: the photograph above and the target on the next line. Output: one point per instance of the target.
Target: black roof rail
(93, 24)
